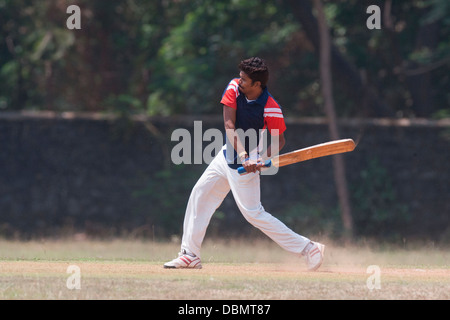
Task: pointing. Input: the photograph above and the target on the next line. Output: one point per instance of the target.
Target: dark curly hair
(256, 69)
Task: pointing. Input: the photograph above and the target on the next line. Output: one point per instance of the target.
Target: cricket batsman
(247, 105)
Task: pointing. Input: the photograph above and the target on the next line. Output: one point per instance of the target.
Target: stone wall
(106, 176)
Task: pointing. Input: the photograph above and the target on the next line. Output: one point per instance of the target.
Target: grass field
(238, 270)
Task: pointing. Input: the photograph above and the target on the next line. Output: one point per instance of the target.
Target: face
(246, 84)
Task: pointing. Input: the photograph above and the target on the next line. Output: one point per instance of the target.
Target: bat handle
(265, 164)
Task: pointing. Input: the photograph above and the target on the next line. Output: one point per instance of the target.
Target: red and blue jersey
(264, 113)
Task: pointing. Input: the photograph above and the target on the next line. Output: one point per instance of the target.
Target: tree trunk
(327, 92)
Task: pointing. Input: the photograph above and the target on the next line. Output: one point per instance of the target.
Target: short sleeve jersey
(264, 113)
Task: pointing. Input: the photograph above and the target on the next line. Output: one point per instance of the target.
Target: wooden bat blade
(316, 151)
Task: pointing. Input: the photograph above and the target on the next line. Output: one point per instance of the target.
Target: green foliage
(175, 57)
(32, 47)
(313, 218)
(201, 54)
(376, 211)
(310, 215)
(168, 191)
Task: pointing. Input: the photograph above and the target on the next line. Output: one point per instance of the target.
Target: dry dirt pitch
(231, 271)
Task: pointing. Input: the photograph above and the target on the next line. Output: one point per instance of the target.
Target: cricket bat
(316, 151)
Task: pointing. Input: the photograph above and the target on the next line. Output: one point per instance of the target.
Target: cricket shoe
(184, 260)
(314, 256)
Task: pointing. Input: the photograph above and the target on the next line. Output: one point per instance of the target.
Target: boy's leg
(206, 196)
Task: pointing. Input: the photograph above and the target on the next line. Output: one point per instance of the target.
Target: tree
(327, 92)
(173, 57)
(349, 78)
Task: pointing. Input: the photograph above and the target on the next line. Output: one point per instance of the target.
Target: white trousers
(208, 194)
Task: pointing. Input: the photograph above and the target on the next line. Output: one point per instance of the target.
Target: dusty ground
(139, 280)
(241, 270)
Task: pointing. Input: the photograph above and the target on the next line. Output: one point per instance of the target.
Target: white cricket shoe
(314, 256)
(184, 260)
